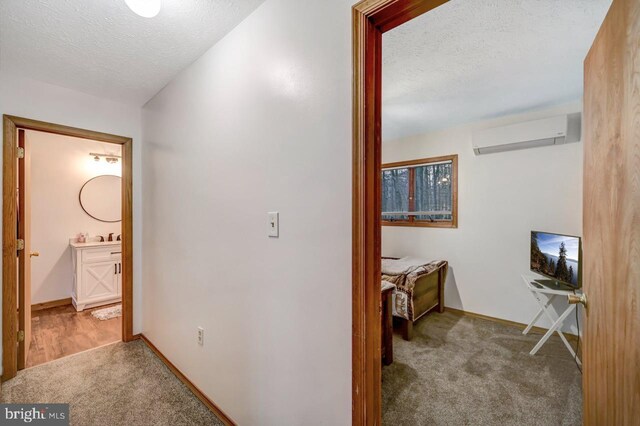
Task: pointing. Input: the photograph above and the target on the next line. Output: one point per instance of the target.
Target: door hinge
(20, 152)
(21, 336)
(20, 244)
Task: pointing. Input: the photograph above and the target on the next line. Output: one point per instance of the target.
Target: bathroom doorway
(67, 206)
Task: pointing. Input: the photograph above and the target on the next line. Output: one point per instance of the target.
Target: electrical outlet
(200, 336)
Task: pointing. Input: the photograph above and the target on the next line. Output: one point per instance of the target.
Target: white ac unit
(529, 134)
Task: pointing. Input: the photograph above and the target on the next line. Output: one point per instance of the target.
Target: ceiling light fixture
(145, 8)
(109, 158)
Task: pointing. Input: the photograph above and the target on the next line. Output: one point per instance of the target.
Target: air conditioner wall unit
(529, 134)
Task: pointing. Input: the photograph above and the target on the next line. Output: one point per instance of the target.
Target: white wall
(60, 166)
(262, 122)
(41, 101)
(502, 197)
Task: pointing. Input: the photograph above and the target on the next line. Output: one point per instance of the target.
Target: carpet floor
(118, 384)
(460, 370)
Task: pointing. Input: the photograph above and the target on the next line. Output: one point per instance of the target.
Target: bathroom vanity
(97, 273)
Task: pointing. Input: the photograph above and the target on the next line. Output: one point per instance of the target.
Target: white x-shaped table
(540, 294)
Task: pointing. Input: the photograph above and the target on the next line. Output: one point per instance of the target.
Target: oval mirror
(101, 199)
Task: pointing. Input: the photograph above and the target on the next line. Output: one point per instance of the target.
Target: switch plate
(274, 224)
(200, 336)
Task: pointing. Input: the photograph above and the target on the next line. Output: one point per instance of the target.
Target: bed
(419, 289)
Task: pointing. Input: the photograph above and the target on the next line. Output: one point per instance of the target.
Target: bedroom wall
(60, 166)
(502, 197)
(41, 101)
(260, 123)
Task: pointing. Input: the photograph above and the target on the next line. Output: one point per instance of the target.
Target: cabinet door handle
(115, 265)
(119, 268)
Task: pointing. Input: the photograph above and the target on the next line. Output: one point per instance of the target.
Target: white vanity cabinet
(97, 274)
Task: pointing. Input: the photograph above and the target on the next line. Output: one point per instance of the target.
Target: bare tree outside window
(420, 192)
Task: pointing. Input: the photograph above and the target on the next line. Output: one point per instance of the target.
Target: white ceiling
(102, 48)
(470, 60)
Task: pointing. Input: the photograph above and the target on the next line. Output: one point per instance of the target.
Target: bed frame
(428, 295)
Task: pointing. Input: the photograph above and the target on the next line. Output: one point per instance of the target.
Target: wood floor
(61, 331)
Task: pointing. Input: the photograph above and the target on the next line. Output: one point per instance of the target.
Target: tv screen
(557, 257)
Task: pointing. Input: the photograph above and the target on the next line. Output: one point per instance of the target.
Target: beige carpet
(467, 371)
(118, 384)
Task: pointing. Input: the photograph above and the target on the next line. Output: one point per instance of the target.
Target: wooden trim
(398, 12)
(412, 193)
(59, 129)
(127, 241)
(224, 418)
(421, 224)
(370, 19)
(366, 356)
(421, 161)
(9, 257)
(51, 304)
(539, 330)
(412, 222)
(9, 235)
(454, 182)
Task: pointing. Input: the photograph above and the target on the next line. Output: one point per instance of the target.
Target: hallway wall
(260, 123)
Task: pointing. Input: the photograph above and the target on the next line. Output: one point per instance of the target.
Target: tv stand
(544, 297)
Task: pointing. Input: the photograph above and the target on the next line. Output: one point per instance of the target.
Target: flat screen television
(558, 257)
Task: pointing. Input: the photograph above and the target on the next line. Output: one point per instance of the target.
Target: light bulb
(145, 8)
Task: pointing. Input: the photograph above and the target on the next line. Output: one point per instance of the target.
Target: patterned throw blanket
(404, 273)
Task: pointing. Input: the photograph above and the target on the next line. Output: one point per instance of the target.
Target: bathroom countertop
(95, 244)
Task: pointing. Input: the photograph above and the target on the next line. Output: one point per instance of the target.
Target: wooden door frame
(9, 232)
(371, 18)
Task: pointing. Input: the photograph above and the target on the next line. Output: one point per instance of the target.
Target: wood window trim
(370, 19)
(453, 223)
(11, 124)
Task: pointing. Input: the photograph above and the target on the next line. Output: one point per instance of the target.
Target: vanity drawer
(102, 255)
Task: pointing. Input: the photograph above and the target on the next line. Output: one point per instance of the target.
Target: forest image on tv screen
(555, 256)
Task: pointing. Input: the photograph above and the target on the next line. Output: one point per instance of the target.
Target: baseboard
(51, 304)
(184, 379)
(520, 325)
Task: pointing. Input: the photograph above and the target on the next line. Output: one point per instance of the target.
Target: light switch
(273, 224)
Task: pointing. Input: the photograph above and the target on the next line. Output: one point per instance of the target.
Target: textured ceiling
(470, 60)
(102, 48)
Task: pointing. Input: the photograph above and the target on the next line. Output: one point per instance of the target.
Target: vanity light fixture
(145, 8)
(109, 158)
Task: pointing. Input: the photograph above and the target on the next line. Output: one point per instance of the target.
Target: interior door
(611, 355)
(24, 256)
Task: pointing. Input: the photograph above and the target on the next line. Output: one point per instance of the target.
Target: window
(421, 192)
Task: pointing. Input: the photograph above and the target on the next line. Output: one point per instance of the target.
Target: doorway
(113, 274)
(609, 69)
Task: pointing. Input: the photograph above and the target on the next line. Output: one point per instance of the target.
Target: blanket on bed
(404, 273)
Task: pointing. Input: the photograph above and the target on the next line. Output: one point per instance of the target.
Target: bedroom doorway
(371, 20)
(104, 278)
